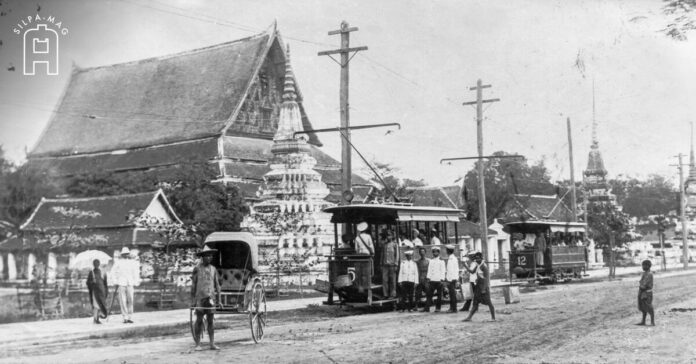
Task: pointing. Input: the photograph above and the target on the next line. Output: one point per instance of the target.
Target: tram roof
(562, 226)
(383, 213)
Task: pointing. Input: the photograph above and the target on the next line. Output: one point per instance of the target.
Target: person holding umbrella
(98, 290)
(205, 287)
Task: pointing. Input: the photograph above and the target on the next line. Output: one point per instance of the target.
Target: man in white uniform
(363, 243)
(126, 274)
(408, 276)
(436, 274)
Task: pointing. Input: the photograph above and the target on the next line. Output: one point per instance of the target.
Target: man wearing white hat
(436, 274)
(417, 241)
(363, 243)
(408, 276)
(126, 274)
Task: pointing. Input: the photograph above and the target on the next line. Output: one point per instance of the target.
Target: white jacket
(126, 272)
(452, 273)
(436, 269)
(408, 271)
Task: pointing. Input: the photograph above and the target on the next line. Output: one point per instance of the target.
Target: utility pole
(573, 196)
(345, 52)
(479, 136)
(682, 207)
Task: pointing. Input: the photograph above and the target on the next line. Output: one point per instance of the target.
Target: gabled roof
(447, 196)
(185, 96)
(93, 212)
(538, 207)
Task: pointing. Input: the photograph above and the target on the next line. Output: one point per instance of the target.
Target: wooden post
(344, 51)
(481, 187)
(685, 229)
(573, 196)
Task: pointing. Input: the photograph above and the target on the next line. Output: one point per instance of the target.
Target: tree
(607, 222)
(392, 182)
(21, 189)
(503, 178)
(680, 12)
(654, 196)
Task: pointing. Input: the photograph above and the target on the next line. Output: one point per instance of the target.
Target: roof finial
(595, 142)
(289, 93)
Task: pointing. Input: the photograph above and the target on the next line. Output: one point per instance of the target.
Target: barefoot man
(204, 289)
(645, 293)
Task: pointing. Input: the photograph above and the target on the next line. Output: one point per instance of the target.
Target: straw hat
(362, 226)
(409, 252)
(207, 250)
(435, 248)
(449, 246)
(125, 251)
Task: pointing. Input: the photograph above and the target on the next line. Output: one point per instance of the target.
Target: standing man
(408, 276)
(645, 293)
(482, 292)
(205, 288)
(422, 264)
(468, 279)
(363, 242)
(540, 246)
(452, 277)
(390, 261)
(98, 290)
(436, 274)
(416, 238)
(126, 273)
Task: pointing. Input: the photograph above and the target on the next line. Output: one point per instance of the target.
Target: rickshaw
(563, 258)
(242, 291)
(355, 278)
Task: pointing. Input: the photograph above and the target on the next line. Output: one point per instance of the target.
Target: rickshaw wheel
(192, 323)
(257, 312)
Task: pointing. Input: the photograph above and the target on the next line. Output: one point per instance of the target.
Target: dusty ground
(591, 322)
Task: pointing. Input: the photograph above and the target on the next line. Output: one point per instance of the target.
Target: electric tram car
(357, 279)
(242, 291)
(565, 255)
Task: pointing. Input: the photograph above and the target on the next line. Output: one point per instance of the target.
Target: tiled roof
(90, 212)
(185, 96)
(538, 207)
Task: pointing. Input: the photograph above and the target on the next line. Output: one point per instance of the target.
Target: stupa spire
(290, 118)
(595, 142)
(692, 161)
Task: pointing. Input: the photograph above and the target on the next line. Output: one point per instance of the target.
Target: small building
(58, 229)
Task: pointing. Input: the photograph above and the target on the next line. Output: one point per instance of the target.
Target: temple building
(219, 104)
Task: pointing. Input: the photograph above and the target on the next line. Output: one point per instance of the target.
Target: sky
(423, 56)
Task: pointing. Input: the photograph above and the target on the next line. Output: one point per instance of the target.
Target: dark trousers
(407, 295)
(389, 280)
(432, 287)
(421, 290)
(452, 291)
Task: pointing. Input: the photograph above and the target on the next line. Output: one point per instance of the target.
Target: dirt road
(592, 322)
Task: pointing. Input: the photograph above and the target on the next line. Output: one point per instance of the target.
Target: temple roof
(94, 212)
(538, 207)
(181, 97)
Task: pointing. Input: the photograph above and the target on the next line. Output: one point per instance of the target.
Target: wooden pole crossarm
(482, 157)
(478, 87)
(482, 101)
(348, 128)
(342, 50)
(343, 30)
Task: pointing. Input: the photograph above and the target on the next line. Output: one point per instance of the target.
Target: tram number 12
(521, 260)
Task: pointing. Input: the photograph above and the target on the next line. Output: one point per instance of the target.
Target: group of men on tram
(429, 277)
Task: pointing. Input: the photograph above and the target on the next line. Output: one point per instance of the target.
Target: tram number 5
(351, 273)
(522, 260)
